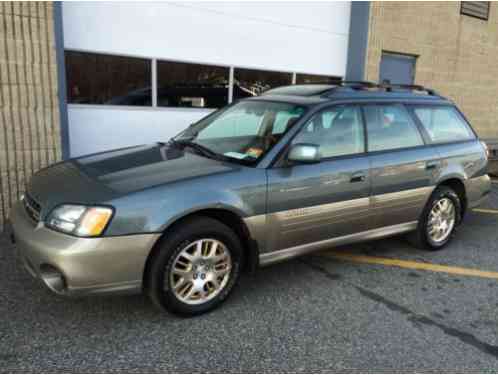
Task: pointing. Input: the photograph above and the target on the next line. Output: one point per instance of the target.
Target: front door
(402, 166)
(309, 203)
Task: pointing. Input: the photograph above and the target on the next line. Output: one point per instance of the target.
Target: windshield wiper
(200, 149)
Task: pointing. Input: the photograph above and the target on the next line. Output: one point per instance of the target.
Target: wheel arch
(457, 185)
(228, 217)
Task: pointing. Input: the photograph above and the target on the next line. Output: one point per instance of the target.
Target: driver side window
(338, 131)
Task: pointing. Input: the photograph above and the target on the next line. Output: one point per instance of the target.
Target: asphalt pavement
(313, 314)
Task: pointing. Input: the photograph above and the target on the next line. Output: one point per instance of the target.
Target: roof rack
(368, 85)
(391, 86)
(358, 83)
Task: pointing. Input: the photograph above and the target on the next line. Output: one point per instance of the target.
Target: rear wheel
(438, 220)
(195, 267)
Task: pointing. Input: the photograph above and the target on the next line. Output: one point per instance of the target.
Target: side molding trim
(281, 255)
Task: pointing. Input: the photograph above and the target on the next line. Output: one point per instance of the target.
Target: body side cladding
(281, 255)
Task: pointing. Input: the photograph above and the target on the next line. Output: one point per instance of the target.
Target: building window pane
(389, 127)
(444, 124)
(313, 78)
(191, 85)
(249, 82)
(104, 79)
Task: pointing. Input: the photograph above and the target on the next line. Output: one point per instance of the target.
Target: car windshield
(245, 131)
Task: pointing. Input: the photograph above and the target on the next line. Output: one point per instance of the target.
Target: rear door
(313, 202)
(403, 167)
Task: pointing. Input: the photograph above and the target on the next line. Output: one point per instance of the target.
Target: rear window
(443, 124)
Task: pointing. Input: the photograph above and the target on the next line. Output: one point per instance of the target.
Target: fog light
(53, 278)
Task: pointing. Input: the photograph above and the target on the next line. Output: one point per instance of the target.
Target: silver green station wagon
(297, 169)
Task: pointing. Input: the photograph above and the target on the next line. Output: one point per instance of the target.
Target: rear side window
(443, 124)
(390, 127)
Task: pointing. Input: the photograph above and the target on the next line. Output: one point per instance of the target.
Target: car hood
(104, 176)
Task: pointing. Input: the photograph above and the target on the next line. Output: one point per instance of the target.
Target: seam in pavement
(413, 317)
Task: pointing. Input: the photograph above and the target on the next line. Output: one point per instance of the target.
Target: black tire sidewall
(440, 193)
(200, 228)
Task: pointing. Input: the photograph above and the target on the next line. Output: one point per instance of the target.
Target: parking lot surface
(384, 307)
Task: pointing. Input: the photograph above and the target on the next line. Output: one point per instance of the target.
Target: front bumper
(70, 265)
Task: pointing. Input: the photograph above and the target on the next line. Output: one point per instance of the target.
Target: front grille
(32, 207)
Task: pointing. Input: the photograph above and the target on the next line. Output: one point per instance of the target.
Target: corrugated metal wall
(29, 111)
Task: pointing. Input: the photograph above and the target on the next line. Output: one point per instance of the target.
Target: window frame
(417, 125)
(411, 108)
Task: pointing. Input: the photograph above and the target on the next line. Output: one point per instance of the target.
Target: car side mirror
(304, 153)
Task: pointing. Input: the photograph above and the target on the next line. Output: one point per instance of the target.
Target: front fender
(220, 201)
(153, 210)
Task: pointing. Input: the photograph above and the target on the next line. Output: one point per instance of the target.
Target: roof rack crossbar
(390, 86)
(360, 83)
(381, 86)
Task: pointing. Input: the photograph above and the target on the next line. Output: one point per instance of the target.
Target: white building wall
(98, 128)
(303, 37)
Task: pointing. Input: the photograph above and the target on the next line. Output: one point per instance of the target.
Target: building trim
(358, 41)
(153, 79)
(61, 80)
(137, 108)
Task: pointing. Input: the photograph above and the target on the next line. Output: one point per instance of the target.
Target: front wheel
(195, 267)
(438, 220)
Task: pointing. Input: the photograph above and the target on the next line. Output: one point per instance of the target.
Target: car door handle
(431, 165)
(469, 165)
(358, 178)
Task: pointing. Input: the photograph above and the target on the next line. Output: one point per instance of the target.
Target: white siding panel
(308, 37)
(93, 129)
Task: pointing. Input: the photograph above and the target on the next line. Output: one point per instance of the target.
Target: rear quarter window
(443, 124)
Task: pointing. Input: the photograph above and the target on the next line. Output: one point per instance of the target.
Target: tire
(170, 256)
(422, 238)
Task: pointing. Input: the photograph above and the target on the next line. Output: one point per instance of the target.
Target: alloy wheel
(442, 220)
(200, 271)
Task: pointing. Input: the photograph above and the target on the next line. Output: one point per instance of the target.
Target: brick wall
(29, 112)
(457, 54)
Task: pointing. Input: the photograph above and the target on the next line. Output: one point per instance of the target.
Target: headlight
(80, 220)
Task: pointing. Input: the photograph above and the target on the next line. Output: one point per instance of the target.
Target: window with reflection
(191, 85)
(250, 82)
(338, 131)
(443, 124)
(313, 78)
(105, 79)
(245, 131)
(390, 127)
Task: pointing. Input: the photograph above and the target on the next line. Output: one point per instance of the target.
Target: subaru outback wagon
(297, 169)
